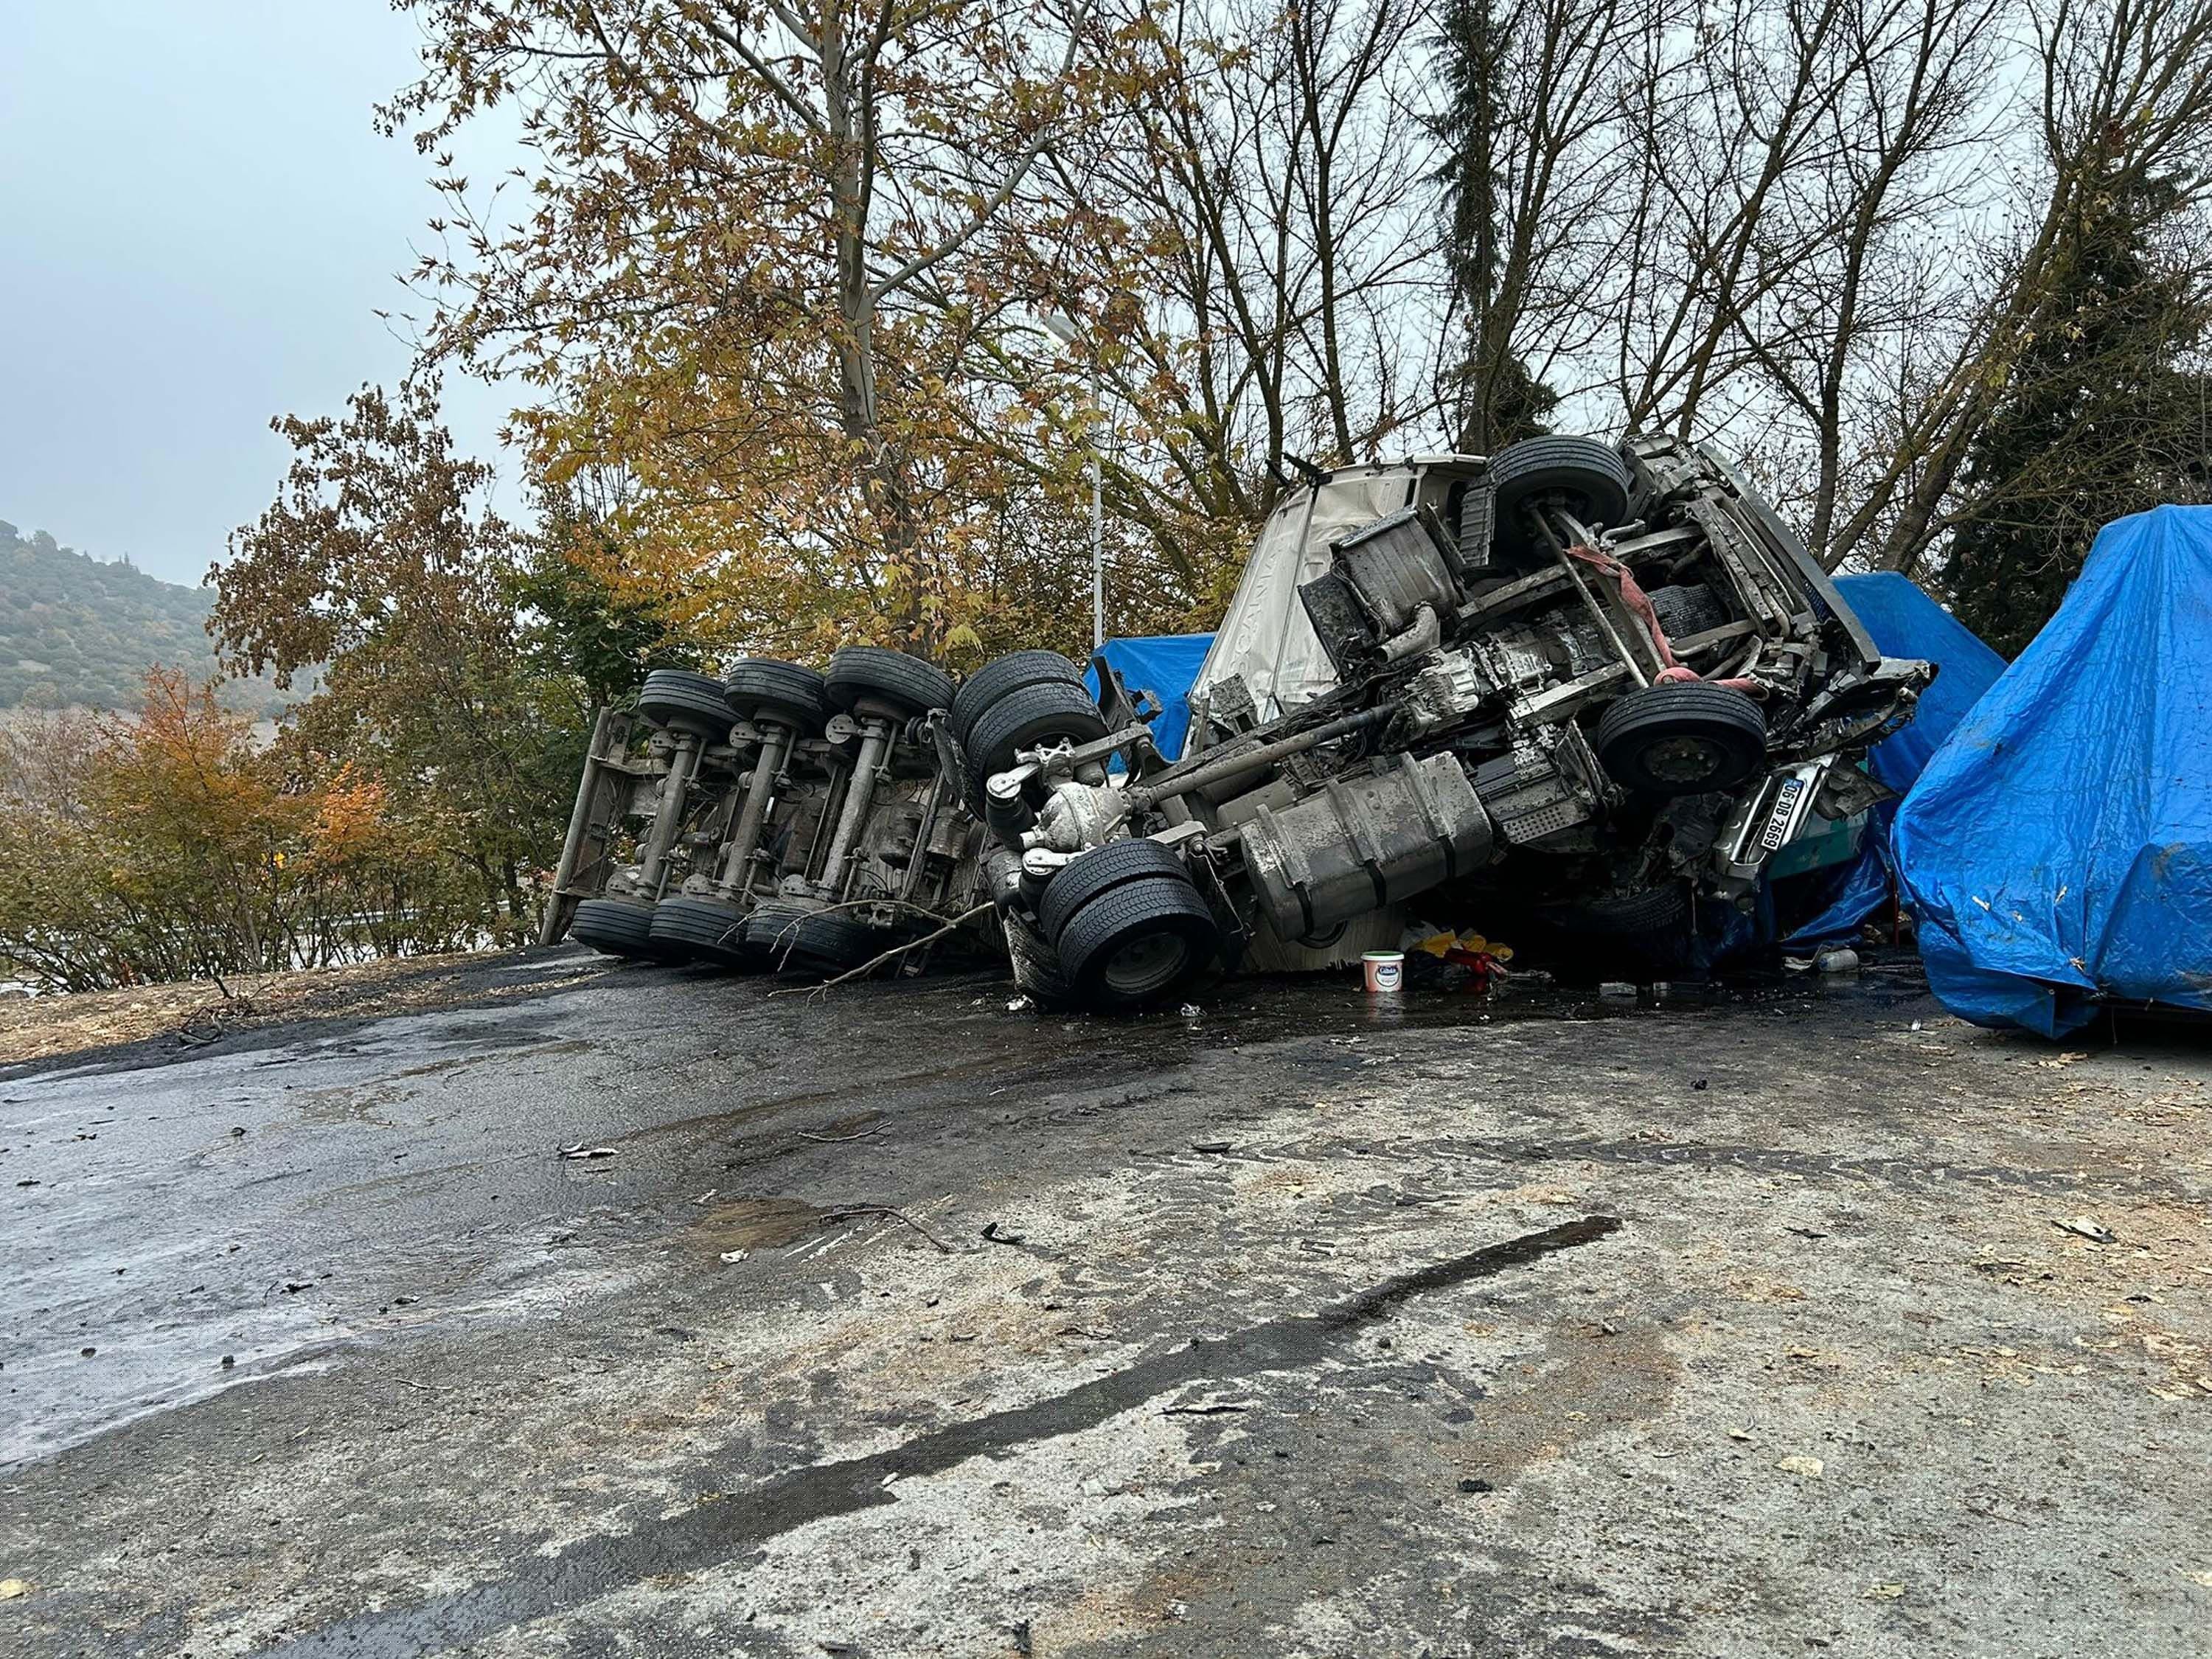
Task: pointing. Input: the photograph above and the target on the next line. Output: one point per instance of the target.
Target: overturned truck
(1603, 682)
(778, 819)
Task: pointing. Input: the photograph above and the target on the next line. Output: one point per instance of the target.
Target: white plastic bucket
(1386, 972)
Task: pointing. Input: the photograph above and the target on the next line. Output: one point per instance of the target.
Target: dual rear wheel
(1127, 927)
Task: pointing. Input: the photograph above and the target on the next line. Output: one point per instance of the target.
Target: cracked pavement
(1302, 1326)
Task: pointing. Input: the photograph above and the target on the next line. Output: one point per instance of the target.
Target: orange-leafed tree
(763, 250)
(175, 843)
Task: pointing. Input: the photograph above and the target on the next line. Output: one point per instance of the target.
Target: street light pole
(1066, 332)
(1098, 509)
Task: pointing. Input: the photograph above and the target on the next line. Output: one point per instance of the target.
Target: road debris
(851, 1210)
(2087, 1227)
(579, 1152)
(991, 1231)
(1798, 1463)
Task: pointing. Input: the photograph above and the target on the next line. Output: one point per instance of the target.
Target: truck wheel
(996, 678)
(1092, 873)
(1050, 711)
(1686, 738)
(1583, 476)
(892, 677)
(760, 688)
(701, 930)
(792, 939)
(683, 702)
(1138, 943)
(616, 926)
(1622, 916)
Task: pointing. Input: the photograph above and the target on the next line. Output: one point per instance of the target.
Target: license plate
(1778, 821)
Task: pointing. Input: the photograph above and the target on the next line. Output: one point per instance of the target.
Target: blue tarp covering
(1905, 622)
(2059, 844)
(1164, 664)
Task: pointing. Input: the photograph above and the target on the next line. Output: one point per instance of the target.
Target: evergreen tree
(2103, 415)
(574, 622)
(1498, 401)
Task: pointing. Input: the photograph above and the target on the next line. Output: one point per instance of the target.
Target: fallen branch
(876, 962)
(831, 1140)
(847, 1214)
(788, 934)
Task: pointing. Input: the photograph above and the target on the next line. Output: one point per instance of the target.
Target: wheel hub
(1683, 758)
(1145, 964)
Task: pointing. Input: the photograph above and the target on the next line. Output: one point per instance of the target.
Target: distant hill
(75, 632)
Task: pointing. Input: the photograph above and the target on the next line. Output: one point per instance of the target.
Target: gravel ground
(902, 1323)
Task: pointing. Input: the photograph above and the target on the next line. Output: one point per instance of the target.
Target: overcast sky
(198, 225)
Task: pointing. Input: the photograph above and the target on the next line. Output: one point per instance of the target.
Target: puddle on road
(502, 1056)
(756, 1223)
(348, 1104)
(363, 1102)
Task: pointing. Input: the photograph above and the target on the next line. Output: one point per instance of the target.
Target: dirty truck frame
(1601, 684)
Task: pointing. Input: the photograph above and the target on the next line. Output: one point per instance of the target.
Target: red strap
(1632, 594)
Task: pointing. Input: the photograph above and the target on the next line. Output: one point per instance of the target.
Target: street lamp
(1066, 330)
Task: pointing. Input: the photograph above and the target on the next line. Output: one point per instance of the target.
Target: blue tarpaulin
(1905, 622)
(2058, 847)
(1166, 665)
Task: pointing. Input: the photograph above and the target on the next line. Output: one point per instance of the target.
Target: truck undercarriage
(1602, 681)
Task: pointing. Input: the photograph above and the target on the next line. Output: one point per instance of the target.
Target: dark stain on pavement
(717, 1531)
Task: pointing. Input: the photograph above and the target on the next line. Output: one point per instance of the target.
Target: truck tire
(681, 700)
(792, 939)
(1584, 476)
(996, 678)
(1663, 909)
(891, 676)
(1142, 942)
(614, 926)
(761, 688)
(689, 929)
(1093, 872)
(1686, 738)
(1048, 711)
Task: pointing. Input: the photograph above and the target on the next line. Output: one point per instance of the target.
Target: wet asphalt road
(899, 1322)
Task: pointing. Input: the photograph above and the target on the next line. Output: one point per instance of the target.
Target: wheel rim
(1683, 758)
(1031, 740)
(1054, 738)
(1146, 964)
